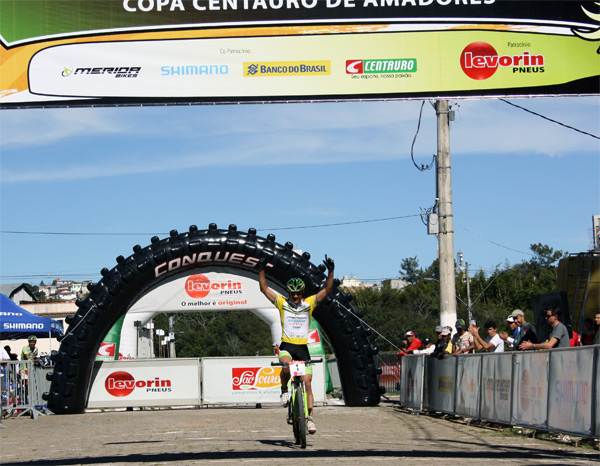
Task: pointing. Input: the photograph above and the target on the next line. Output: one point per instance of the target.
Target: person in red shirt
(413, 342)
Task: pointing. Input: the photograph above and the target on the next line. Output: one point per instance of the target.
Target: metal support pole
(172, 353)
(446, 233)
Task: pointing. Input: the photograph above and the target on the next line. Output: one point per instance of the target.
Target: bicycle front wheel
(301, 416)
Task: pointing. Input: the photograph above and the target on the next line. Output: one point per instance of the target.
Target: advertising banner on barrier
(440, 384)
(77, 52)
(231, 380)
(570, 392)
(468, 378)
(145, 382)
(411, 387)
(530, 388)
(496, 383)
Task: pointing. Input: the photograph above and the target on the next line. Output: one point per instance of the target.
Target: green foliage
(416, 307)
(230, 333)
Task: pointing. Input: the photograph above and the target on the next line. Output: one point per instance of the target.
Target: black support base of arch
(147, 267)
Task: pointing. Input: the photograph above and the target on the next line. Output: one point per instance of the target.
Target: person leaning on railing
(559, 336)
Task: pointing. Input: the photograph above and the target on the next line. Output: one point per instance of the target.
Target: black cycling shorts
(296, 352)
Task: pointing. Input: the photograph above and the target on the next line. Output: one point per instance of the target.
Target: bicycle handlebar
(308, 363)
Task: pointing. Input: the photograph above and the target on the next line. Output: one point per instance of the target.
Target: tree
(410, 271)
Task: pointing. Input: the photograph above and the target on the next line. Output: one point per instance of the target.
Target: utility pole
(469, 305)
(446, 223)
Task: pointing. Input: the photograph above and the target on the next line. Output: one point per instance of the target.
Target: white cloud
(254, 135)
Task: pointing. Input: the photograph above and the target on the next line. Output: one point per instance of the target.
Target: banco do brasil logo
(479, 60)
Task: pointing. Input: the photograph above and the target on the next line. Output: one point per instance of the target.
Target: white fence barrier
(191, 382)
(555, 390)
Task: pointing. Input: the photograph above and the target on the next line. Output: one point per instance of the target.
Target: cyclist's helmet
(295, 285)
(32, 338)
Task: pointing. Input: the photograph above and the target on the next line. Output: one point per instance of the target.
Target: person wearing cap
(426, 348)
(514, 330)
(559, 336)
(413, 342)
(526, 330)
(462, 341)
(493, 343)
(30, 351)
(441, 347)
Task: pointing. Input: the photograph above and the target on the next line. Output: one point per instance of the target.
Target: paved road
(245, 436)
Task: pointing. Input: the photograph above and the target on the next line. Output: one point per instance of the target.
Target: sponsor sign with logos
(145, 382)
(214, 291)
(113, 51)
(249, 380)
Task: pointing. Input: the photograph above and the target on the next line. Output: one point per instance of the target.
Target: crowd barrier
(554, 390)
(22, 385)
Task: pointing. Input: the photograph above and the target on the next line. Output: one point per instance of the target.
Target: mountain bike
(298, 409)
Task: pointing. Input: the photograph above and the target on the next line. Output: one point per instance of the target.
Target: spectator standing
(526, 330)
(443, 342)
(4, 356)
(513, 328)
(30, 351)
(426, 348)
(575, 340)
(413, 342)
(597, 328)
(493, 343)
(587, 335)
(13, 356)
(559, 336)
(462, 341)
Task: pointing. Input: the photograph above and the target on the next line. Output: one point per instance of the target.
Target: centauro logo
(287, 68)
(479, 60)
(198, 286)
(388, 65)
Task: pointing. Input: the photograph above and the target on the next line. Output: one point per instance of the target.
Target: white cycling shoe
(285, 399)
(312, 428)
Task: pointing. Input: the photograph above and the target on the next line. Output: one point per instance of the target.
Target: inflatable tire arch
(131, 278)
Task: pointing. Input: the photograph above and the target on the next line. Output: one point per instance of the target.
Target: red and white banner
(145, 382)
(249, 380)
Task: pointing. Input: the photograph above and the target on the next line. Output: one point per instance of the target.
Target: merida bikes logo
(111, 71)
(479, 60)
(121, 383)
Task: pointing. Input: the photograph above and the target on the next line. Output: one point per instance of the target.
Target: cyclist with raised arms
(296, 313)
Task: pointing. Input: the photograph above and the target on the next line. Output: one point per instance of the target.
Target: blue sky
(130, 173)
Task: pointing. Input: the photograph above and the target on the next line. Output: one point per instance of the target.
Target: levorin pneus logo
(479, 60)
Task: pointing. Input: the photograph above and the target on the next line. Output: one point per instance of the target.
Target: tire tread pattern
(121, 286)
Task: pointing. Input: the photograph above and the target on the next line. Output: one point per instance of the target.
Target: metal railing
(554, 390)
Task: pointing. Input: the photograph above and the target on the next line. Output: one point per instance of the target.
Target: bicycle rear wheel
(300, 417)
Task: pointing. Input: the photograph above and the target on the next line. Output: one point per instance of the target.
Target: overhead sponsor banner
(207, 291)
(152, 382)
(77, 52)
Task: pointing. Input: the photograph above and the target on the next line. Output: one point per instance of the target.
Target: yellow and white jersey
(295, 322)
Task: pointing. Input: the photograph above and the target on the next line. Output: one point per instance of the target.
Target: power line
(550, 119)
(300, 227)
